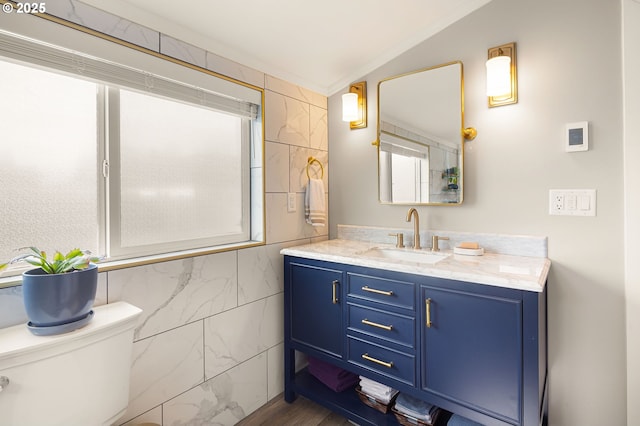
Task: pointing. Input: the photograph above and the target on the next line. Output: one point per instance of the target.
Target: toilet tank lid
(108, 320)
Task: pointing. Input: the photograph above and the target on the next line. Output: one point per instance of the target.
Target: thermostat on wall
(577, 136)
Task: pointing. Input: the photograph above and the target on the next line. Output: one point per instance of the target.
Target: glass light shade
(499, 76)
(350, 107)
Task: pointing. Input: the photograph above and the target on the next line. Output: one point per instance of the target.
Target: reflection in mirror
(420, 145)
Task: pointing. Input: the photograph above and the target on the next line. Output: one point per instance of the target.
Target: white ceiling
(322, 45)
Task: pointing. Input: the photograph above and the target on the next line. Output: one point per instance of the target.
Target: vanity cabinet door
(472, 349)
(315, 300)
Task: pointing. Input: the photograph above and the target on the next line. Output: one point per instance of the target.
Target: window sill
(112, 265)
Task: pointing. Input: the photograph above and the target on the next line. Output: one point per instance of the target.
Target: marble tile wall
(208, 347)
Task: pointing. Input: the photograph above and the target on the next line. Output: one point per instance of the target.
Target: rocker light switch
(291, 202)
(584, 202)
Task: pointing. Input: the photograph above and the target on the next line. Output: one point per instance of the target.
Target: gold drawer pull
(428, 309)
(373, 290)
(377, 361)
(375, 324)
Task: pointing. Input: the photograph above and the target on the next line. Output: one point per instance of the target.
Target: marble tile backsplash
(177, 292)
(208, 348)
(516, 245)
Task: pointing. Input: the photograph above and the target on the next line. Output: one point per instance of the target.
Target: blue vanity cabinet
(475, 350)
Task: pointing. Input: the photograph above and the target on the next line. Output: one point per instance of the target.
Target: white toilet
(79, 378)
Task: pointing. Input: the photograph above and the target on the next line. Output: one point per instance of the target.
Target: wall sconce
(502, 79)
(354, 105)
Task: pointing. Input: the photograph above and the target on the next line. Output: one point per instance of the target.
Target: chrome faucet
(416, 227)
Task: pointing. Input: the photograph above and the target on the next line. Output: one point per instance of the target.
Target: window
(121, 161)
(183, 175)
(48, 175)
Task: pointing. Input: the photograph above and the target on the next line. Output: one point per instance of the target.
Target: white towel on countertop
(314, 208)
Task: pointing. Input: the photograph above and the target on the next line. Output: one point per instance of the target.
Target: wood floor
(302, 412)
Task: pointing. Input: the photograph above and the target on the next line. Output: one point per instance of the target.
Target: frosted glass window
(120, 161)
(184, 175)
(48, 173)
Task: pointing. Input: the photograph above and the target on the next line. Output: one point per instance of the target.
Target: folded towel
(377, 390)
(383, 398)
(333, 377)
(415, 408)
(326, 368)
(365, 382)
(337, 384)
(314, 208)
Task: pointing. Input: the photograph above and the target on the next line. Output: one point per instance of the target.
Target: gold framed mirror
(421, 138)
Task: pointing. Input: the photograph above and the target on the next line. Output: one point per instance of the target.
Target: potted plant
(58, 295)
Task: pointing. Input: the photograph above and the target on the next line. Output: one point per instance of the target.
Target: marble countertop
(515, 272)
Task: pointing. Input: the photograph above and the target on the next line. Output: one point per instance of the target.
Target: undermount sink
(407, 255)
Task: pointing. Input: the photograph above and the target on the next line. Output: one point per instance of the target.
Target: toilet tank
(78, 378)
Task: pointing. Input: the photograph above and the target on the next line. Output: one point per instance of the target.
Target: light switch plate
(291, 202)
(572, 202)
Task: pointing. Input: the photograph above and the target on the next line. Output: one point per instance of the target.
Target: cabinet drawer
(385, 325)
(382, 290)
(394, 364)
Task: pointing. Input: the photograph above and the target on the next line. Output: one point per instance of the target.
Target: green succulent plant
(74, 260)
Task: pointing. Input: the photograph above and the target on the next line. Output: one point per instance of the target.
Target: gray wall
(631, 43)
(569, 69)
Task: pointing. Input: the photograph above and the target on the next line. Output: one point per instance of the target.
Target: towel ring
(312, 160)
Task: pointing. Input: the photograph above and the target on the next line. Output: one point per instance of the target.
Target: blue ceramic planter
(53, 300)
